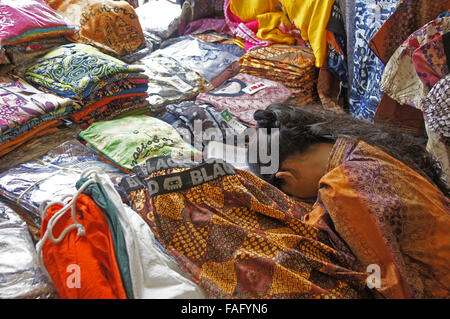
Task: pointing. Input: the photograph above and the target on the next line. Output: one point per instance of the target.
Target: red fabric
(93, 255)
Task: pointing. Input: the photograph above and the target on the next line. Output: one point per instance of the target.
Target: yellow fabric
(311, 18)
(269, 16)
(248, 10)
(268, 24)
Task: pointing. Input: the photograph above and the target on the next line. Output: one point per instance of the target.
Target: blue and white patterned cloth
(365, 68)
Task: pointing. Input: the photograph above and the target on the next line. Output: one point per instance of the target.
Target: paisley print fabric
(239, 237)
(231, 95)
(365, 68)
(76, 70)
(389, 215)
(400, 80)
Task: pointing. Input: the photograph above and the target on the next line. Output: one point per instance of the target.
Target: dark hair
(300, 127)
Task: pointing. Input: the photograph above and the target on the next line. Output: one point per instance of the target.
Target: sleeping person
(379, 189)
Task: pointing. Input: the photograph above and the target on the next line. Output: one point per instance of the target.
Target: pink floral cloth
(231, 95)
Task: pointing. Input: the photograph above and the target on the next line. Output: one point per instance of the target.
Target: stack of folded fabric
(104, 86)
(30, 28)
(292, 66)
(129, 141)
(169, 82)
(208, 60)
(49, 176)
(26, 113)
(111, 26)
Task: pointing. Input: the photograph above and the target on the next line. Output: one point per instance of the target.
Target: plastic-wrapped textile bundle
(21, 276)
(53, 174)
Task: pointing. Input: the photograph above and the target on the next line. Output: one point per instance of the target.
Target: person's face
(300, 173)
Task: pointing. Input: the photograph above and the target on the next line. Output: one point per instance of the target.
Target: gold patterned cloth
(111, 26)
(292, 66)
(238, 236)
(390, 216)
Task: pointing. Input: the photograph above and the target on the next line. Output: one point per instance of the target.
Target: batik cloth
(27, 20)
(390, 216)
(130, 140)
(400, 79)
(232, 96)
(409, 16)
(365, 68)
(20, 272)
(206, 59)
(82, 266)
(53, 174)
(207, 25)
(239, 237)
(430, 62)
(210, 119)
(21, 103)
(111, 26)
(170, 82)
(292, 66)
(77, 70)
(205, 8)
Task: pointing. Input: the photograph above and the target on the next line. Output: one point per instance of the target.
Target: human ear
(286, 176)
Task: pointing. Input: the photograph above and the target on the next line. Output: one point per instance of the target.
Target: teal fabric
(98, 194)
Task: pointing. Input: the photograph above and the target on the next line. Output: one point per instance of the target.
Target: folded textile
(111, 26)
(163, 18)
(47, 128)
(243, 94)
(22, 103)
(200, 123)
(430, 61)
(400, 79)
(98, 194)
(53, 174)
(408, 16)
(76, 70)
(21, 273)
(206, 59)
(292, 66)
(130, 140)
(435, 107)
(153, 273)
(239, 237)
(207, 24)
(169, 82)
(82, 264)
(28, 20)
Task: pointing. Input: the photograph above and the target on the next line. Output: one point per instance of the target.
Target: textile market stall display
(126, 149)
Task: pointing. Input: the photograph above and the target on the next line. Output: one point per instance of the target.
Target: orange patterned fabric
(239, 237)
(111, 26)
(292, 66)
(391, 216)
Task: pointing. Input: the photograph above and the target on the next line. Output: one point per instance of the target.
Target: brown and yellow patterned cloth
(292, 66)
(111, 26)
(238, 236)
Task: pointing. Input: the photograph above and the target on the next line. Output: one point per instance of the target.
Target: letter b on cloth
(74, 279)
(374, 279)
